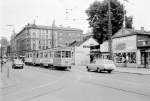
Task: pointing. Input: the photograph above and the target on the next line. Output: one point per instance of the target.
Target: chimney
(142, 29)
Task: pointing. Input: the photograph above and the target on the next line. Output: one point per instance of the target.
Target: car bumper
(18, 66)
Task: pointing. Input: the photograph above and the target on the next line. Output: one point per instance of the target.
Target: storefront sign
(124, 44)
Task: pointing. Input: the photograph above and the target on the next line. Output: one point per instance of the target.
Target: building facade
(82, 51)
(36, 37)
(131, 48)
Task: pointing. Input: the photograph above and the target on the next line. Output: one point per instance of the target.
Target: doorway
(145, 58)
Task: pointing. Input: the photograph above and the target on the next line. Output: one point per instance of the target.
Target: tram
(60, 57)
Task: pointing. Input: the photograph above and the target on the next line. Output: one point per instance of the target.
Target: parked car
(17, 63)
(101, 65)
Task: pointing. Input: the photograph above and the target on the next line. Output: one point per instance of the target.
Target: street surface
(34, 83)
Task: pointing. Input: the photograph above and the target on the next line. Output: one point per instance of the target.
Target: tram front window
(68, 54)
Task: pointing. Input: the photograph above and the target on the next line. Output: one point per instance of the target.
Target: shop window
(129, 57)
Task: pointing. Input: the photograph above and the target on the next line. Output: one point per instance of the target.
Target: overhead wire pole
(110, 30)
(53, 25)
(1, 59)
(8, 71)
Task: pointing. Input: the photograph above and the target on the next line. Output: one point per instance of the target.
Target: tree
(128, 22)
(98, 18)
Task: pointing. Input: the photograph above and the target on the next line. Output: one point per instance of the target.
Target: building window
(34, 34)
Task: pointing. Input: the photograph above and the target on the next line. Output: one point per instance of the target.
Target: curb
(133, 72)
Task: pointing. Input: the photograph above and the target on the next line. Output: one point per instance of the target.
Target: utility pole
(110, 30)
(1, 59)
(53, 25)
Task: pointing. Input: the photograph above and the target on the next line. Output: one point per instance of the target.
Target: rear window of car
(17, 61)
(104, 62)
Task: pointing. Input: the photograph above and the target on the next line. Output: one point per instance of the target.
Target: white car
(17, 63)
(101, 65)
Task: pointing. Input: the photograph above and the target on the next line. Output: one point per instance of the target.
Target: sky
(15, 14)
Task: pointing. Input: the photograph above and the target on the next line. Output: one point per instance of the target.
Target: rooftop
(128, 32)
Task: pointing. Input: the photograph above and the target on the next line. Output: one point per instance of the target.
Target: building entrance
(145, 58)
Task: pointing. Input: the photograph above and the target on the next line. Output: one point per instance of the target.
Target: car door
(93, 65)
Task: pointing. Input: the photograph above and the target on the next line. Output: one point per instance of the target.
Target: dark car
(17, 63)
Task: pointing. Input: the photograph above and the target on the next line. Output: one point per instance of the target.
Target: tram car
(63, 57)
(46, 57)
(36, 60)
(28, 58)
(60, 57)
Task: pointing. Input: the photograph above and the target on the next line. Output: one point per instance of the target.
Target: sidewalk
(4, 80)
(143, 71)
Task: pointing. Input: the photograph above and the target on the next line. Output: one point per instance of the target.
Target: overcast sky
(20, 12)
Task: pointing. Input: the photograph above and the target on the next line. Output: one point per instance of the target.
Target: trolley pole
(110, 30)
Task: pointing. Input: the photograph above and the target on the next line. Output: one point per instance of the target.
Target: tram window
(63, 54)
(68, 54)
(45, 55)
(50, 54)
(41, 55)
(57, 54)
(37, 55)
(33, 54)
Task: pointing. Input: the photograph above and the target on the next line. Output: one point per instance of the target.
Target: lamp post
(110, 30)
(52, 41)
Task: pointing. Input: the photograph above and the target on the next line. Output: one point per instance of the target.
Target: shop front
(143, 44)
(125, 52)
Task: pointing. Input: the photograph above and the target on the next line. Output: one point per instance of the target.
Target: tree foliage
(128, 22)
(98, 18)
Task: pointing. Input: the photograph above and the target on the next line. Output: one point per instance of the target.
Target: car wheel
(88, 69)
(109, 71)
(98, 70)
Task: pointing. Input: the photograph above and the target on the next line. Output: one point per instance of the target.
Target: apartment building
(36, 37)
